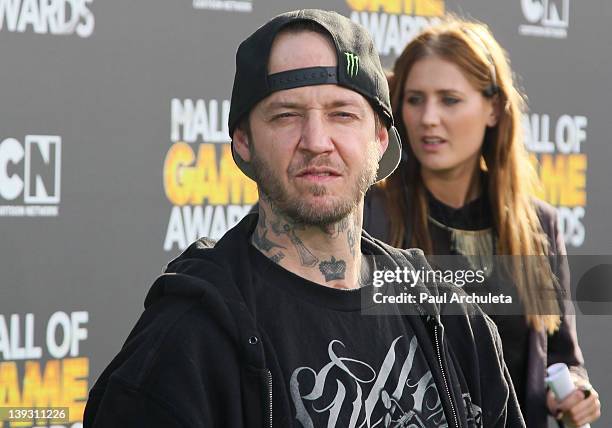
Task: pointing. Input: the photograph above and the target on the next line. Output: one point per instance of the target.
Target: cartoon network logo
(229, 5)
(57, 17)
(393, 23)
(547, 18)
(30, 176)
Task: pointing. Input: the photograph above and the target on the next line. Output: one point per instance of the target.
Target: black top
(476, 216)
(542, 349)
(337, 374)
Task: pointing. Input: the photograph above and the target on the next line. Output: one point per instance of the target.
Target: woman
(463, 187)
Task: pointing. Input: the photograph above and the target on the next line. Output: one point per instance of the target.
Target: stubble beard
(299, 210)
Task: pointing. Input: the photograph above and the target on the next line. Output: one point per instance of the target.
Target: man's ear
(241, 144)
(382, 136)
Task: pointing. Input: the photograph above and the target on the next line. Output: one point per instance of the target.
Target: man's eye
(344, 114)
(449, 101)
(284, 115)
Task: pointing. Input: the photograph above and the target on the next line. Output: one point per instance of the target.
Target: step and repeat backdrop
(114, 156)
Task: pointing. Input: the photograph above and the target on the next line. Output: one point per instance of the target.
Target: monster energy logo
(352, 64)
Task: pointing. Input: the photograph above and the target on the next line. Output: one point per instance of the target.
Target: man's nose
(316, 137)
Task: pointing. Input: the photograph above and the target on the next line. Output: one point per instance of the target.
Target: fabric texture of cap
(358, 69)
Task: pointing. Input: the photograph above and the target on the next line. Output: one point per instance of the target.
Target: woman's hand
(577, 409)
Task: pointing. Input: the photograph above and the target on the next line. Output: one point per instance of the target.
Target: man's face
(314, 149)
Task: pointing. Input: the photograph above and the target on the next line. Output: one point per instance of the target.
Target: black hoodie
(196, 358)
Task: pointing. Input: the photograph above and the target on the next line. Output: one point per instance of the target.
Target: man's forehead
(315, 96)
(293, 50)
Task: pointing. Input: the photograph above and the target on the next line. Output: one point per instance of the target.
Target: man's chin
(321, 210)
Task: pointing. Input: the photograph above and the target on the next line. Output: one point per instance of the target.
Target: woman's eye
(414, 99)
(449, 101)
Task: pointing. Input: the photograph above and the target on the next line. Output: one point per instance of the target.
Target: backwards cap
(358, 69)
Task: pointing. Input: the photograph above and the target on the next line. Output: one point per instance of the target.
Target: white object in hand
(560, 382)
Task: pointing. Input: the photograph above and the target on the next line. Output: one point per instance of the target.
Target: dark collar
(475, 215)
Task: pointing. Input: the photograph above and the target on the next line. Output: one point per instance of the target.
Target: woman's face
(445, 117)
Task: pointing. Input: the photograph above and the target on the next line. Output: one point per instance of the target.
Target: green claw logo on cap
(352, 64)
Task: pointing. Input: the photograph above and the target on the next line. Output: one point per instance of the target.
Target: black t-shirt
(342, 368)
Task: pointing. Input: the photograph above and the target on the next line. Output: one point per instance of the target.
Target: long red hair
(512, 178)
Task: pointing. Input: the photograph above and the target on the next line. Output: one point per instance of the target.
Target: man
(266, 327)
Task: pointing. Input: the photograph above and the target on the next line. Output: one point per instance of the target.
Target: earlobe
(241, 144)
(495, 112)
(383, 140)
(492, 120)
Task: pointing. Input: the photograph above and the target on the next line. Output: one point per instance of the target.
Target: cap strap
(302, 77)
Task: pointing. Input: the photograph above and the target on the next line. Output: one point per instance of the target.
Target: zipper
(270, 397)
(444, 376)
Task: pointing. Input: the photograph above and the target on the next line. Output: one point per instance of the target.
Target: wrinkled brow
(278, 105)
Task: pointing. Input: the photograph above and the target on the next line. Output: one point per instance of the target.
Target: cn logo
(31, 170)
(548, 13)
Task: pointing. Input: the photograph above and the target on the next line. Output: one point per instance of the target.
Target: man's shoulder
(220, 269)
(173, 332)
(166, 326)
(173, 345)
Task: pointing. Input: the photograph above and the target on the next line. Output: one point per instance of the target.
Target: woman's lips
(432, 144)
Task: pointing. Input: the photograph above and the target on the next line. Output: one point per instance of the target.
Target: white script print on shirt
(347, 392)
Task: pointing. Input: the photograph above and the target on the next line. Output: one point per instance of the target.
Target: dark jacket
(543, 349)
(196, 358)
